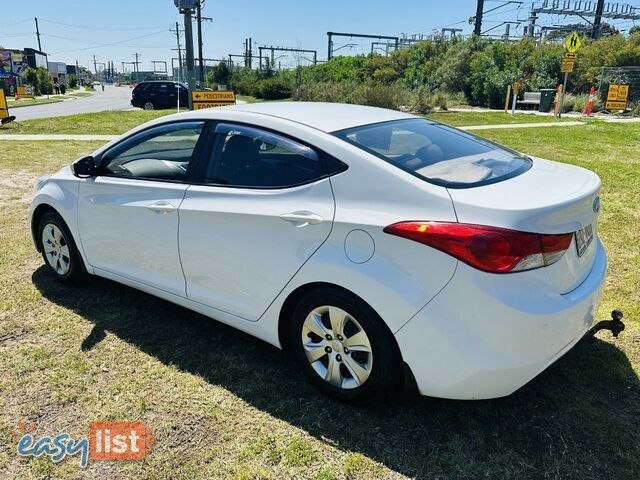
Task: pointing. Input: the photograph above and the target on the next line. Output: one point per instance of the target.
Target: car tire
(58, 248)
(333, 358)
(149, 106)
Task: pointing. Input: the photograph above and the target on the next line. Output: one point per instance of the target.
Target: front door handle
(302, 219)
(161, 207)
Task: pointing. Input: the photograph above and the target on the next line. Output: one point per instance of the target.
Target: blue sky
(116, 29)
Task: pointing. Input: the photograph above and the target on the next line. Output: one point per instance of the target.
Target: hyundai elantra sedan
(378, 247)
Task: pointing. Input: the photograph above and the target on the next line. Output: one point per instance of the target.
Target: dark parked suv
(159, 94)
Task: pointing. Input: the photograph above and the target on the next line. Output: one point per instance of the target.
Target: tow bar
(615, 326)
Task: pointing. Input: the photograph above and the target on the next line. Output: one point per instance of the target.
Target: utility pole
(250, 52)
(95, 66)
(478, 20)
(200, 18)
(38, 34)
(188, 32)
(177, 32)
(136, 62)
(597, 23)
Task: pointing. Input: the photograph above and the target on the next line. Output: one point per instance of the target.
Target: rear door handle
(302, 219)
(161, 207)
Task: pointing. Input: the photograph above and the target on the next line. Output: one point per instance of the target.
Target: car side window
(162, 153)
(251, 157)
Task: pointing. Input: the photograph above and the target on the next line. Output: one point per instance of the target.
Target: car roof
(328, 117)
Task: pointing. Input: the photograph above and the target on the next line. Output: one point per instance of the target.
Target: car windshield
(437, 153)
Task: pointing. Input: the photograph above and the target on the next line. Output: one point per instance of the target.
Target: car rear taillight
(492, 249)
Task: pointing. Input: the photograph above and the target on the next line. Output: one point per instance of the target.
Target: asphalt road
(113, 98)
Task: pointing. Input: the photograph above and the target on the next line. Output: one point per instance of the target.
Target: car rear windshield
(437, 153)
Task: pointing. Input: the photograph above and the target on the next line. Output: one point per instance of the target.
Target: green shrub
(441, 100)
(382, 95)
(421, 101)
(275, 88)
(568, 103)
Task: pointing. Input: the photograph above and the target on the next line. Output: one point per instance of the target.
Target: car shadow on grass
(578, 419)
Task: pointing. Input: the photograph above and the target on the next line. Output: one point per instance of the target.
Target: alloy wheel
(56, 249)
(337, 347)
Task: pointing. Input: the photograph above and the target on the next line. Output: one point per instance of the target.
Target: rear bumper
(485, 336)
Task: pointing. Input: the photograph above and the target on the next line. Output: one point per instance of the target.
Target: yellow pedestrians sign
(567, 64)
(573, 42)
(226, 97)
(617, 97)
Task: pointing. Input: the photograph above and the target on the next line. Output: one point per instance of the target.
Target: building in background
(35, 58)
(58, 71)
(13, 63)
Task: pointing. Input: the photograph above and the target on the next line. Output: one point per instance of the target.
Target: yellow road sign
(573, 42)
(225, 97)
(203, 105)
(24, 92)
(516, 88)
(617, 97)
(567, 65)
(4, 108)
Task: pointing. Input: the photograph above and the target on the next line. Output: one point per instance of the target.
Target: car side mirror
(85, 167)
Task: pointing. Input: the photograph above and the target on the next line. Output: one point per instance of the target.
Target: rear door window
(437, 153)
(142, 87)
(251, 157)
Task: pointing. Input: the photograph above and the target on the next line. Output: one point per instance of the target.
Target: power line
(110, 44)
(102, 28)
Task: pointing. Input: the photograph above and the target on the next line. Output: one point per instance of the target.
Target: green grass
(480, 117)
(31, 101)
(104, 123)
(248, 98)
(224, 405)
(78, 94)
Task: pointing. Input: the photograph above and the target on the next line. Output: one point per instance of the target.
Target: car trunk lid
(550, 198)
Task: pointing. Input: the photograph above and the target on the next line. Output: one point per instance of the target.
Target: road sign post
(516, 89)
(572, 43)
(506, 102)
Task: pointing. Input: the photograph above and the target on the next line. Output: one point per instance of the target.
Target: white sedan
(378, 247)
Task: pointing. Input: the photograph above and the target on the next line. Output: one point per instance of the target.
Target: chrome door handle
(161, 207)
(302, 219)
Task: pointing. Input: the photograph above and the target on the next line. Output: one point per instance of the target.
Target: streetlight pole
(190, 62)
(187, 7)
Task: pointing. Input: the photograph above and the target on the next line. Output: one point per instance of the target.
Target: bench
(530, 98)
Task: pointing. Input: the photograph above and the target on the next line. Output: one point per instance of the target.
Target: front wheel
(149, 106)
(343, 347)
(58, 248)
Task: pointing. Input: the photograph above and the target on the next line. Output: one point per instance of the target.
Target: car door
(128, 213)
(264, 208)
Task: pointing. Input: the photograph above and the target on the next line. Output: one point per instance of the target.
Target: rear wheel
(149, 106)
(58, 248)
(343, 346)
